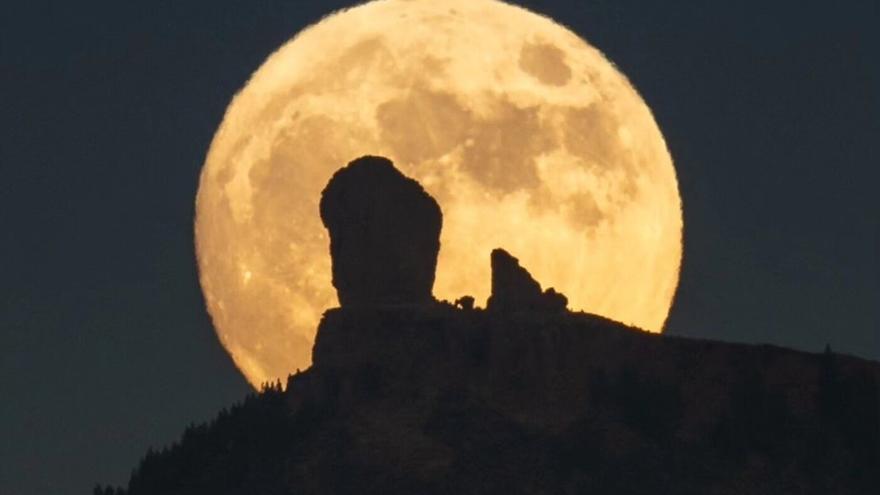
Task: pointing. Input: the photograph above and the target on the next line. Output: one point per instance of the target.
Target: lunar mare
(528, 138)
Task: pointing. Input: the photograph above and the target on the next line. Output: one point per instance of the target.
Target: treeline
(242, 450)
(627, 440)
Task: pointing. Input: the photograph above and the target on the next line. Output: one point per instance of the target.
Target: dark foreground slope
(446, 400)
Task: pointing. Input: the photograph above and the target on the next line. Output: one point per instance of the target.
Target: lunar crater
(423, 125)
(509, 140)
(545, 62)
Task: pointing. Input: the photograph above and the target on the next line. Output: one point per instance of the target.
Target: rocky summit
(408, 395)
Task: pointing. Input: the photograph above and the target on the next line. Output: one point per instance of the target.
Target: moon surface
(528, 138)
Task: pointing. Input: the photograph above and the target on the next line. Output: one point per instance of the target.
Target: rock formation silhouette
(384, 235)
(514, 289)
(408, 395)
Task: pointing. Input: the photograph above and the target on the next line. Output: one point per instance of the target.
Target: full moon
(527, 136)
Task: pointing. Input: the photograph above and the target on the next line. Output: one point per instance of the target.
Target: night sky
(770, 111)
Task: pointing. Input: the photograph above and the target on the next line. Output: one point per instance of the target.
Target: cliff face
(450, 399)
(443, 400)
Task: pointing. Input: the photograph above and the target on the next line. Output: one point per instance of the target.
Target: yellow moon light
(527, 136)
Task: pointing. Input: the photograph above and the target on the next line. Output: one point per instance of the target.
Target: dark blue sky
(770, 111)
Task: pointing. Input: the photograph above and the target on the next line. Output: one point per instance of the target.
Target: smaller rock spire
(514, 288)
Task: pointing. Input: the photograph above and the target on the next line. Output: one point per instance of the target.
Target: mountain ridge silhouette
(482, 402)
(407, 394)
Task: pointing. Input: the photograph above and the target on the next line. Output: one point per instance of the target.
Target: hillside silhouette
(407, 394)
